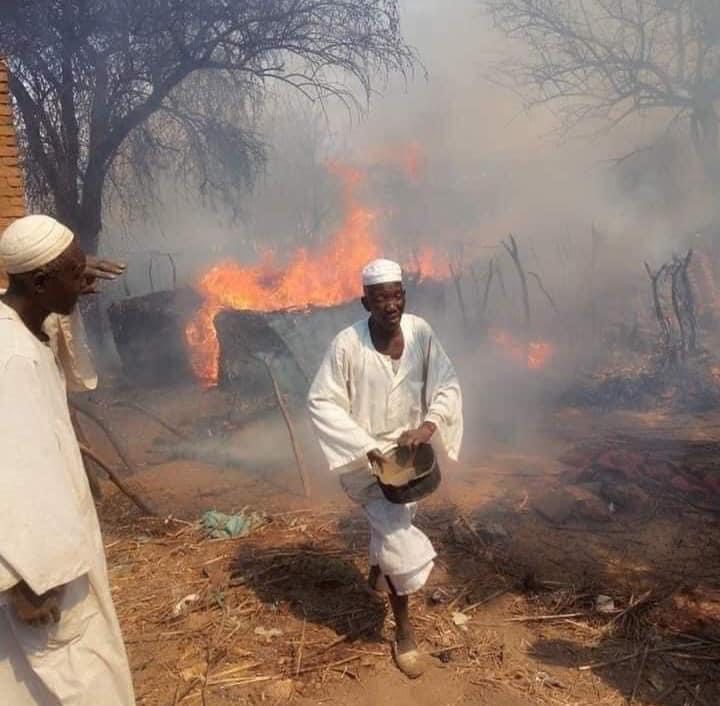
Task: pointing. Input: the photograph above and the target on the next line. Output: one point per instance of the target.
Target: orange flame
(535, 354)
(327, 277)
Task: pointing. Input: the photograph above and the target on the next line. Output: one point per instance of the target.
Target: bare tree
(107, 88)
(605, 60)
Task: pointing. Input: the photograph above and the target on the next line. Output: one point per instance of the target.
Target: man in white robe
(60, 642)
(386, 381)
(68, 341)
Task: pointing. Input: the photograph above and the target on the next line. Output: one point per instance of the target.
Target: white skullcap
(31, 242)
(381, 272)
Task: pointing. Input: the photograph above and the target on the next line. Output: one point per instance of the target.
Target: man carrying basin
(384, 389)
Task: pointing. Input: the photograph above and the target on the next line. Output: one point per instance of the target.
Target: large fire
(534, 354)
(329, 276)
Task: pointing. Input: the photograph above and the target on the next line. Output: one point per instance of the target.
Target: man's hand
(96, 269)
(414, 437)
(376, 457)
(33, 609)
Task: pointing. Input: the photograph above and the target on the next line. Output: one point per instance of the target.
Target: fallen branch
(341, 639)
(489, 598)
(95, 488)
(329, 665)
(117, 445)
(637, 653)
(639, 675)
(541, 618)
(90, 454)
(291, 431)
(298, 664)
(156, 418)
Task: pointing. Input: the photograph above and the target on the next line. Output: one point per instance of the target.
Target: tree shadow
(321, 586)
(563, 570)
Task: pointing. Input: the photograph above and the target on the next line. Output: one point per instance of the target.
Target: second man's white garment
(50, 537)
(358, 403)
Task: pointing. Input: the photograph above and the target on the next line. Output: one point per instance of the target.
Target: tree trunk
(87, 230)
(705, 131)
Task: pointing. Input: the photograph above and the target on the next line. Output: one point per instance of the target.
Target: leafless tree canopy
(179, 79)
(607, 59)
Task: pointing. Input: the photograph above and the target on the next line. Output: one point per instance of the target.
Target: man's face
(386, 304)
(59, 285)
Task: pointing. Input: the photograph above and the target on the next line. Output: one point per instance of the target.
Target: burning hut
(151, 335)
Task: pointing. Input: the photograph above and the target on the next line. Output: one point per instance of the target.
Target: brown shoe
(410, 663)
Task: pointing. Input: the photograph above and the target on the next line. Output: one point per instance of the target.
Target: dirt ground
(509, 617)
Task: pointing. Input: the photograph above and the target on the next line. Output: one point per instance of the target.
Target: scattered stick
(637, 653)
(300, 649)
(489, 598)
(444, 650)
(90, 454)
(291, 431)
(329, 665)
(156, 418)
(341, 639)
(116, 444)
(95, 488)
(639, 675)
(541, 618)
(460, 595)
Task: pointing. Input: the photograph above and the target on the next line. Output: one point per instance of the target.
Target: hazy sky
(503, 168)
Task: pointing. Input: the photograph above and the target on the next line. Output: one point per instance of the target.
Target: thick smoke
(452, 160)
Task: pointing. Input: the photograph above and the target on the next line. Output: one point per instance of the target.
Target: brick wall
(12, 192)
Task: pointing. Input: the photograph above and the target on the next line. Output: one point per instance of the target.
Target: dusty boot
(408, 660)
(405, 652)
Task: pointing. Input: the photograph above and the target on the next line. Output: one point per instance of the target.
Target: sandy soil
(302, 574)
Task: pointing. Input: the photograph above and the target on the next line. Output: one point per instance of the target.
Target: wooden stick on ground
(542, 618)
(699, 644)
(639, 675)
(117, 445)
(90, 454)
(291, 431)
(155, 417)
(89, 470)
(298, 664)
(339, 662)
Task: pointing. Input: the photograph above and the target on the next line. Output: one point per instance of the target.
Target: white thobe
(358, 403)
(50, 537)
(68, 341)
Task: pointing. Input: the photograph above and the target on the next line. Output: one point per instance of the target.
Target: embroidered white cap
(31, 242)
(381, 272)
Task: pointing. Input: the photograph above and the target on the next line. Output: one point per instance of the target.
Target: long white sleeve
(444, 398)
(342, 439)
(42, 536)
